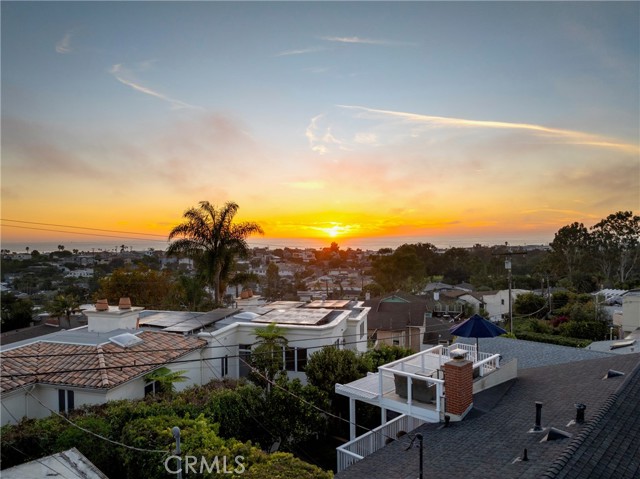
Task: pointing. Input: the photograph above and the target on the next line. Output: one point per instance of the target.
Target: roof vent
(555, 434)
(612, 373)
(126, 340)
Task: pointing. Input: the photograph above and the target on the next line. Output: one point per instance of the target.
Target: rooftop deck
(415, 385)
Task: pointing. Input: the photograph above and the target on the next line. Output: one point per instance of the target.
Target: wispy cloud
(124, 76)
(365, 41)
(64, 44)
(300, 51)
(566, 136)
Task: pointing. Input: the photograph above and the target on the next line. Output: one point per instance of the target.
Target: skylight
(125, 340)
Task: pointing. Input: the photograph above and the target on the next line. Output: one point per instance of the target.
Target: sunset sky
(448, 122)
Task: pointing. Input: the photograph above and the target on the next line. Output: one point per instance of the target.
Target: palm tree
(166, 379)
(64, 305)
(266, 355)
(211, 238)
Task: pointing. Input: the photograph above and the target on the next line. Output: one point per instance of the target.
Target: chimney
(458, 383)
(104, 319)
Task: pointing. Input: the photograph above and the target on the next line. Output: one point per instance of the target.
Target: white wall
(312, 338)
(497, 304)
(631, 311)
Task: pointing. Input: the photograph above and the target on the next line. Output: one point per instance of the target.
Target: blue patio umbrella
(477, 327)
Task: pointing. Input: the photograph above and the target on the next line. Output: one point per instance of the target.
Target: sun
(334, 231)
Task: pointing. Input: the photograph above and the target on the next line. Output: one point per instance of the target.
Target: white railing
(488, 364)
(362, 446)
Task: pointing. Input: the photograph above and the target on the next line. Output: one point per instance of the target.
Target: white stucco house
(496, 303)
(109, 358)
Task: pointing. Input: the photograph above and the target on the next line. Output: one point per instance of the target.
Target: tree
(616, 242)
(330, 365)
(63, 305)
(242, 278)
(211, 238)
(16, 312)
(272, 285)
(192, 295)
(401, 270)
(569, 247)
(145, 287)
(166, 379)
(531, 305)
(267, 355)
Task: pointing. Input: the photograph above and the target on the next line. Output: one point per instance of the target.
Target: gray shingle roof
(610, 445)
(488, 445)
(531, 354)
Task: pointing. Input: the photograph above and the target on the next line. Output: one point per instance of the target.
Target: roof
(531, 354)
(300, 316)
(183, 321)
(490, 443)
(400, 310)
(70, 464)
(610, 445)
(100, 366)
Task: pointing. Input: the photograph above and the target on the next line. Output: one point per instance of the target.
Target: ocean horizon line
(376, 243)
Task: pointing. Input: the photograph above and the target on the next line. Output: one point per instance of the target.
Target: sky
(355, 122)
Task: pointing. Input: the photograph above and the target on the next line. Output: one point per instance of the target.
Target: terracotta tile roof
(91, 366)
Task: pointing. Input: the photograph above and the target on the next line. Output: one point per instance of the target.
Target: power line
(147, 364)
(117, 443)
(210, 346)
(80, 233)
(83, 228)
(38, 460)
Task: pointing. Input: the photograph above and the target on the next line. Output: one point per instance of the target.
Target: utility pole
(507, 266)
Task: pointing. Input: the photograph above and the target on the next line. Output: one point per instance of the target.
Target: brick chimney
(458, 386)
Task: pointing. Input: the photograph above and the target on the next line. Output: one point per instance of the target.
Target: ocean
(344, 243)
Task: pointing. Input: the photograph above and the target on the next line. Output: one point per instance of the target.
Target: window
(295, 359)
(362, 329)
(151, 388)
(244, 353)
(224, 366)
(302, 359)
(65, 400)
(502, 302)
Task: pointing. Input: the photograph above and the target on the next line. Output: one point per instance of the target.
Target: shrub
(552, 339)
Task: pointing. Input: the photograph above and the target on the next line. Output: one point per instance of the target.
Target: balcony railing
(362, 446)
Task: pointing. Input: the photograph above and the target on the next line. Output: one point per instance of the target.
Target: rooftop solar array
(183, 321)
(329, 304)
(300, 316)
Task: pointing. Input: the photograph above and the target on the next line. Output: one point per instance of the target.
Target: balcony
(415, 385)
